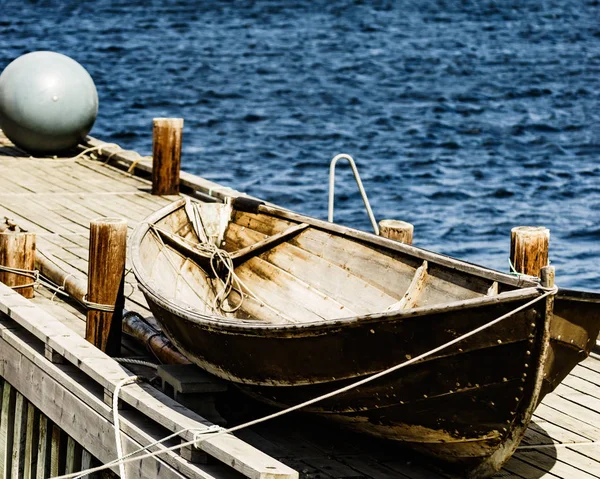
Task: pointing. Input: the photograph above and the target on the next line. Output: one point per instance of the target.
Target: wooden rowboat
(313, 306)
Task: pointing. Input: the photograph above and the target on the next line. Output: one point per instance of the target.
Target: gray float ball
(48, 102)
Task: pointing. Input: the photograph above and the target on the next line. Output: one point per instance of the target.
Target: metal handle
(361, 188)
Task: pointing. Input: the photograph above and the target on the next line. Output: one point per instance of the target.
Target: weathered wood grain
(17, 250)
(166, 155)
(108, 243)
(44, 447)
(397, 230)
(415, 288)
(73, 459)
(31, 441)
(79, 420)
(529, 249)
(7, 429)
(20, 436)
(145, 398)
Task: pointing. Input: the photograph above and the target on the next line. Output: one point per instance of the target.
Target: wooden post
(17, 250)
(106, 271)
(166, 155)
(547, 275)
(397, 230)
(529, 249)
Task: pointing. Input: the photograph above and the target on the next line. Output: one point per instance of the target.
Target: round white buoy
(48, 102)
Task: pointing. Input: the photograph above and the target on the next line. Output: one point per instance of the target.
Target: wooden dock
(59, 376)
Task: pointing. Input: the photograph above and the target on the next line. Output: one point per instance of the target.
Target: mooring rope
(28, 273)
(514, 272)
(196, 441)
(80, 155)
(59, 289)
(90, 152)
(134, 163)
(205, 430)
(107, 308)
(115, 405)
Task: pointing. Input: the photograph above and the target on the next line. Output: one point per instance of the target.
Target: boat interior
(260, 267)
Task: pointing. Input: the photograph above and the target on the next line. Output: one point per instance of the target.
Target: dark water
(466, 118)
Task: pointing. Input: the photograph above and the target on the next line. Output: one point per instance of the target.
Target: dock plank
(561, 466)
(527, 471)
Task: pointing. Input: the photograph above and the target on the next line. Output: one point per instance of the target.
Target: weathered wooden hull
(459, 406)
(467, 405)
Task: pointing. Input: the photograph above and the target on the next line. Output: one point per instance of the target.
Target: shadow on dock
(317, 448)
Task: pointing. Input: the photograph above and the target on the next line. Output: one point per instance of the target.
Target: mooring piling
(529, 249)
(166, 155)
(105, 300)
(17, 256)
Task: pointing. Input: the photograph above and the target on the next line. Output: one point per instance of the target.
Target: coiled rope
(197, 439)
(212, 253)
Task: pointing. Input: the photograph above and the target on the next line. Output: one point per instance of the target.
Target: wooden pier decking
(57, 198)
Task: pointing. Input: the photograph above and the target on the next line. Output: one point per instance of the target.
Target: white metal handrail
(361, 188)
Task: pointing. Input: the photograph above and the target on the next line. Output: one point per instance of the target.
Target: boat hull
(459, 406)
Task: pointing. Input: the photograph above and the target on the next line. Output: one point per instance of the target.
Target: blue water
(466, 117)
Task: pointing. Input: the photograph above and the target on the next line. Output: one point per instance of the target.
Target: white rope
(80, 155)
(89, 151)
(206, 430)
(60, 289)
(107, 308)
(130, 283)
(115, 405)
(211, 251)
(28, 273)
(547, 292)
(155, 229)
(52, 287)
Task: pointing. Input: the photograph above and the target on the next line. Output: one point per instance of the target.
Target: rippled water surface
(466, 118)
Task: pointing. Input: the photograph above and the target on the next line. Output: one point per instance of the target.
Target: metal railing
(361, 188)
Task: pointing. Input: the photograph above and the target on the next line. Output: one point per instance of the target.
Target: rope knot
(551, 290)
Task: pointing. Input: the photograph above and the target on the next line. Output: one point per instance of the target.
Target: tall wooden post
(166, 155)
(529, 249)
(17, 250)
(397, 230)
(106, 272)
